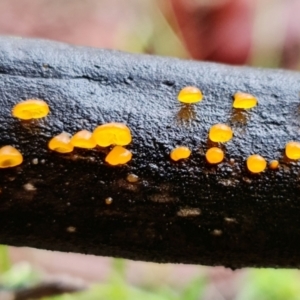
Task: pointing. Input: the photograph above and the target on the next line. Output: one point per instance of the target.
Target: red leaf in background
(216, 30)
(95, 23)
(291, 50)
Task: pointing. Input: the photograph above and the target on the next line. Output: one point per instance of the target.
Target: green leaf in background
(110, 292)
(4, 259)
(194, 290)
(19, 275)
(119, 268)
(271, 284)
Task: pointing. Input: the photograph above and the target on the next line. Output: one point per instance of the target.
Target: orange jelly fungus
(292, 150)
(274, 164)
(83, 139)
(61, 143)
(30, 109)
(10, 157)
(180, 153)
(220, 133)
(118, 156)
(190, 94)
(244, 100)
(214, 155)
(112, 134)
(256, 163)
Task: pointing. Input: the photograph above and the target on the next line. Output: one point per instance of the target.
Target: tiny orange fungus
(256, 163)
(83, 139)
(112, 134)
(31, 109)
(180, 152)
(190, 94)
(220, 133)
(118, 156)
(61, 143)
(214, 155)
(244, 100)
(292, 150)
(274, 164)
(10, 157)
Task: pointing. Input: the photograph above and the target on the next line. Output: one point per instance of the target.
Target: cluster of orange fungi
(118, 135)
(115, 135)
(222, 133)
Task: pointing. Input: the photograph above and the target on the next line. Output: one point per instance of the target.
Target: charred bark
(185, 212)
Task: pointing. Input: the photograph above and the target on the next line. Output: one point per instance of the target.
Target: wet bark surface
(183, 212)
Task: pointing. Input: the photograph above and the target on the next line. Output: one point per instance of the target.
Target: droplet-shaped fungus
(180, 153)
(61, 143)
(256, 163)
(30, 109)
(112, 134)
(10, 157)
(190, 94)
(220, 133)
(83, 139)
(292, 150)
(244, 100)
(274, 164)
(214, 155)
(118, 156)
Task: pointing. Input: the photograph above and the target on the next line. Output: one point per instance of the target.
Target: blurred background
(243, 32)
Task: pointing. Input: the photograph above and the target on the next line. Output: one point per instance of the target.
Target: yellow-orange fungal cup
(30, 109)
(10, 157)
(292, 150)
(214, 155)
(83, 139)
(256, 163)
(190, 94)
(61, 143)
(112, 134)
(274, 164)
(244, 100)
(220, 133)
(180, 153)
(118, 156)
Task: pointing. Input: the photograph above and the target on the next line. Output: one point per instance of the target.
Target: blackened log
(184, 212)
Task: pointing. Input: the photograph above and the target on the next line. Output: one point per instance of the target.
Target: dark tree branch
(57, 202)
